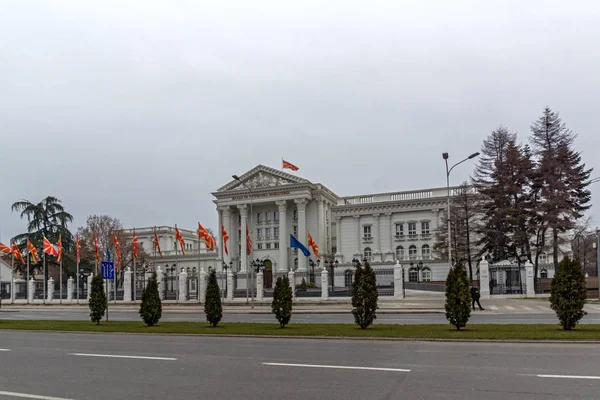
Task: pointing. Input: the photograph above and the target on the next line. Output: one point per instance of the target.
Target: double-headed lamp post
(237, 178)
(448, 170)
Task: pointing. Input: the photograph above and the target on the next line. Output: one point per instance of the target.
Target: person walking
(475, 295)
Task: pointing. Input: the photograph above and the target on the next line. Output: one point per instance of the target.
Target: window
(543, 259)
(348, 275)
(413, 275)
(399, 229)
(412, 252)
(426, 252)
(239, 235)
(267, 233)
(295, 230)
(276, 216)
(412, 229)
(425, 228)
(426, 275)
(367, 231)
(368, 253)
(295, 262)
(268, 246)
(276, 245)
(259, 246)
(258, 218)
(295, 215)
(259, 233)
(400, 253)
(239, 219)
(543, 273)
(276, 232)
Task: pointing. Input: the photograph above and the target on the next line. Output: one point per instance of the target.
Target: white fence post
(127, 285)
(229, 285)
(291, 277)
(484, 279)
(398, 281)
(260, 283)
(50, 289)
(70, 289)
(529, 280)
(30, 290)
(324, 285)
(183, 285)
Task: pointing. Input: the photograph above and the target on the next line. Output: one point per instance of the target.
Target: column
(398, 281)
(219, 233)
(302, 237)
(328, 232)
(183, 285)
(226, 221)
(484, 279)
(70, 288)
(89, 285)
(338, 238)
(320, 224)
(529, 280)
(50, 289)
(244, 256)
(377, 240)
(389, 245)
(127, 285)
(31, 290)
(260, 285)
(324, 285)
(202, 286)
(358, 236)
(283, 265)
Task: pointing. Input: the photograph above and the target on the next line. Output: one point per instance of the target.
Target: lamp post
(330, 265)
(419, 268)
(598, 259)
(256, 265)
(224, 278)
(250, 230)
(448, 170)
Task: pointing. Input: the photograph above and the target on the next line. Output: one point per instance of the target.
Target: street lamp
(257, 265)
(419, 268)
(445, 157)
(237, 178)
(312, 267)
(331, 266)
(224, 277)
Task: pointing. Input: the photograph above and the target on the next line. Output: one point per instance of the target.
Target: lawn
(472, 332)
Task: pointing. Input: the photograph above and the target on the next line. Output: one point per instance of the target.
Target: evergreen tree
(212, 306)
(151, 307)
(364, 295)
(561, 177)
(568, 293)
(98, 301)
(282, 301)
(458, 297)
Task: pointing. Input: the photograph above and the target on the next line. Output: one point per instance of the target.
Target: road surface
(91, 366)
(477, 317)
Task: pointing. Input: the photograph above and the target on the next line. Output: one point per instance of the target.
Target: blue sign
(108, 270)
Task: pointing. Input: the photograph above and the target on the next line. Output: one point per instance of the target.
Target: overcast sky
(140, 109)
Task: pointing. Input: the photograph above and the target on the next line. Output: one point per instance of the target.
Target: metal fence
(506, 279)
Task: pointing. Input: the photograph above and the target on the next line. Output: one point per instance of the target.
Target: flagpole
(60, 279)
(28, 251)
(134, 291)
(176, 267)
(77, 280)
(44, 280)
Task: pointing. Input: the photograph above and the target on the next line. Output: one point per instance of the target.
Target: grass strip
(441, 331)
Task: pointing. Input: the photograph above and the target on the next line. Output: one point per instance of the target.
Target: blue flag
(107, 255)
(295, 243)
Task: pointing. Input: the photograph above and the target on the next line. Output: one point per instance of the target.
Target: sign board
(108, 270)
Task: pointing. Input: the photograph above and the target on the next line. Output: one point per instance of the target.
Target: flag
(289, 165)
(156, 244)
(117, 251)
(17, 253)
(313, 245)
(248, 240)
(179, 238)
(107, 255)
(78, 248)
(4, 249)
(295, 243)
(225, 238)
(136, 243)
(33, 252)
(204, 234)
(97, 248)
(60, 249)
(49, 248)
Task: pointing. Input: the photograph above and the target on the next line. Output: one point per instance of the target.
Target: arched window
(368, 253)
(543, 273)
(425, 252)
(413, 275)
(412, 252)
(426, 275)
(348, 278)
(400, 253)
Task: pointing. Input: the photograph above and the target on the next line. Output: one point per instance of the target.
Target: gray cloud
(141, 109)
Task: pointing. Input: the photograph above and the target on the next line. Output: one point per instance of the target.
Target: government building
(382, 228)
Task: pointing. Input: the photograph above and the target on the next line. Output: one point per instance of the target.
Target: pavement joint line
(568, 376)
(336, 367)
(123, 356)
(30, 396)
(4, 349)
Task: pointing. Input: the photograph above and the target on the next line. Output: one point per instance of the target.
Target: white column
(202, 286)
(219, 234)
(89, 286)
(226, 223)
(50, 289)
(377, 241)
(161, 282)
(529, 280)
(12, 290)
(229, 285)
(389, 247)
(284, 239)
(31, 290)
(260, 283)
(292, 279)
(358, 235)
(127, 285)
(302, 236)
(183, 285)
(70, 288)
(398, 281)
(320, 224)
(244, 256)
(484, 279)
(338, 239)
(324, 285)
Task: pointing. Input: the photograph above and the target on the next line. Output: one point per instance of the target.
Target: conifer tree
(568, 293)
(364, 295)
(282, 301)
(98, 301)
(151, 307)
(212, 306)
(458, 297)
(561, 178)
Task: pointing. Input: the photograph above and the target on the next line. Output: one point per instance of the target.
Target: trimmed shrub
(151, 307)
(364, 295)
(212, 306)
(568, 293)
(282, 301)
(458, 297)
(98, 301)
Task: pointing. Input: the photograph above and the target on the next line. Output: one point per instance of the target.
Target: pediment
(262, 177)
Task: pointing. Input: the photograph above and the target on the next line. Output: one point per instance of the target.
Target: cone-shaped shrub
(568, 293)
(151, 307)
(98, 301)
(212, 306)
(364, 295)
(458, 297)
(282, 301)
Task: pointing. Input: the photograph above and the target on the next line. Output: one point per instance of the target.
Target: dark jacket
(475, 293)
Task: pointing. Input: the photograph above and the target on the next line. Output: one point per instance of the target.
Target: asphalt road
(477, 317)
(91, 366)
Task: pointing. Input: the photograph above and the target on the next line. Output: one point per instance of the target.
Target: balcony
(367, 239)
(399, 238)
(426, 236)
(413, 236)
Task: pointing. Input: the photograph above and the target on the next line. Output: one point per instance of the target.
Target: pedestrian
(475, 295)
